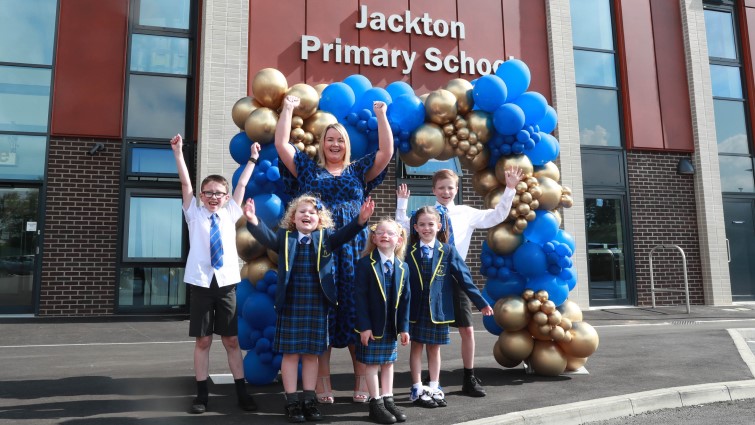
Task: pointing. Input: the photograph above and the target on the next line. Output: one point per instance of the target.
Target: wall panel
(275, 30)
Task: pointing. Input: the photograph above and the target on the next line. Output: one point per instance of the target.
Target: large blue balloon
(358, 142)
(508, 119)
(568, 277)
(543, 228)
(529, 259)
(534, 106)
(549, 121)
(369, 96)
(407, 111)
(268, 153)
(256, 372)
(269, 208)
(240, 147)
(244, 333)
(546, 150)
(516, 75)
(491, 326)
(259, 311)
(501, 288)
(557, 291)
(566, 238)
(243, 290)
(399, 88)
(489, 93)
(337, 98)
(358, 83)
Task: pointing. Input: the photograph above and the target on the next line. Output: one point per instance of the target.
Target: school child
(304, 242)
(382, 300)
(459, 222)
(212, 271)
(435, 267)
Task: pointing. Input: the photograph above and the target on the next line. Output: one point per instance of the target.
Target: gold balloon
(260, 125)
(309, 99)
(551, 197)
(548, 307)
(523, 209)
(484, 181)
(481, 123)
(479, 162)
(247, 247)
(554, 317)
(558, 333)
(511, 314)
(570, 310)
(298, 134)
(547, 359)
(567, 201)
(540, 318)
(520, 224)
(447, 153)
(534, 304)
(566, 190)
(297, 121)
(272, 255)
(550, 170)
(269, 87)
(565, 323)
(575, 363)
(501, 359)
(462, 90)
(558, 216)
(516, 345)
(428, 141)
(460, 122)
(241, 110)
(319, 88)
(535, 191)
(311, 150)
(584, 341)
(528, 294)
(531, 216)
(318, 122)
(412, 159)
(542, 295)
(440, 106)
(256, 269)
(449, 130)
(424, 97)
(502, 239)
(507, 162)
(463, 133)
(493, 197)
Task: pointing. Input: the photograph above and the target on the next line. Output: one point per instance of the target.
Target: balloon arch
(490, 123)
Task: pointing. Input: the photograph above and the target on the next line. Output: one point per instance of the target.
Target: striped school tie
(446, 222)
(388, 270)
(216, 243)
(425, 251)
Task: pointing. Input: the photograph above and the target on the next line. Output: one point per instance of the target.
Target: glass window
(594, 68)
(432, 165)
(720, 34)
(591, 24)
(27, 31)
(155, 227)
(726, 81)
(156, 106)
(22, 157)
(736, 174)
(418, 201)
(731, 128)
(165, 55)
(165, 13)
(24, 99)
(152, 160)
(598, 117)
(151, 286)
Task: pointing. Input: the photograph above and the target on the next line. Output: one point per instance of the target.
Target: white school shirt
(465, 219)
(199, 269)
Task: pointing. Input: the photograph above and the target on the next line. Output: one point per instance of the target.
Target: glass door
(19, 234)
(740, 239)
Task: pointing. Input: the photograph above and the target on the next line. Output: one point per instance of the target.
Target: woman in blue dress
(342, 186)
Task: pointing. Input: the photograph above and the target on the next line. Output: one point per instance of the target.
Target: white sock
(418, 385)
(434, 385)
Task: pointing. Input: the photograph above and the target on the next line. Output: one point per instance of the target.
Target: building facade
(654, 101)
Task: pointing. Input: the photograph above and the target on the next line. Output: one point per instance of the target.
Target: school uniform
(305, 284)
(432, 280)
(382, 306)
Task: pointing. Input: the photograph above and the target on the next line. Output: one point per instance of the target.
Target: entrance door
(740, 236)
(19, 230)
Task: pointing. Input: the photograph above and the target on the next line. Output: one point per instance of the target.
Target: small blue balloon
(544, 151)
(568, 276)
(273, 174)
(565, 238)
(549, 121)
(364, 114)
(529, 144)
(489, 93)
(352, 118)
(259, 311)
(261, 286)
(271, 290)
(263, 165)
(508, 119)
(517, 76)
(270, 276)
(522, 135)
(269, 333)
(543, 228)
(243, 289)
(263, 344)
(268, 153)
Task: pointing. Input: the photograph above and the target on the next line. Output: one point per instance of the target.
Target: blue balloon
(516, 75)
(557, 291)
(508, 119)
(269, 208)
(534, 106)
(271, 277)
(277, 360)
(266, 357)
(546, 150)
(254, 335)
(263, 344)
(338, 99)
(269, 333)
(407, 111)
(529, 259)
(273, 174)
(256, 372)
(243, 290)
(568, 277)
(371, 95)
(399, 88)
(491, 326)
(500, 288)
(358, 142)
(358, 83)
(487, 297)
(549, 121)
(268, 153)
(489, 93)
(259, 311)
(245, 331)
(565, 238)
(543, 229)
(271, 290)
(261, 286)
(240, 147)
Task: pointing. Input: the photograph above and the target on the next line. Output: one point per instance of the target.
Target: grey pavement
(119, 371)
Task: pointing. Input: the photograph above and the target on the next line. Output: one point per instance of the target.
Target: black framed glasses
(208, 194)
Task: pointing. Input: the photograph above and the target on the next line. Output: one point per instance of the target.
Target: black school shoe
(198, 406)
(311, 413)
(396, 411)
(247, 403)
(294, 412)
(379, 413)
(472, 387)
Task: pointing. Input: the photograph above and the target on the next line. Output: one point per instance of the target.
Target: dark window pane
(418, 201)
(22, 157)
(156, 106)
(720, 34)
(165, 13)
(27, 31)
(605, 249)
(153, 161)
(591, 23)
(736, 174)
(166, 55)
(594, 68)
(155, 228)
(731, 129)
(152, 286)
(18, 219)
(24, 99)
(598, 117)
(726, 81)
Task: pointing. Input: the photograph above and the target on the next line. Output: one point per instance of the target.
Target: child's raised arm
(187, 192)
(249, 212)
(365, 212)
(238, 193)
(513, 176)
(402, 201)
(285, 150)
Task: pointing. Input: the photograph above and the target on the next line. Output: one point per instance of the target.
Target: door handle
(728, 251)
(738, 221)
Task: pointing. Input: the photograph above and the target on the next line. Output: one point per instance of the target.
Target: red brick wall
(663, 212)
(81, 229)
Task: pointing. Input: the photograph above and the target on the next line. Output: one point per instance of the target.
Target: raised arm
(385, 142)
(484, 219)
(285, 150)
(402, 201)
(187, 192)
(238, 193)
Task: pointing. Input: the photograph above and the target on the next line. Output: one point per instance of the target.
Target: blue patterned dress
(343, 195)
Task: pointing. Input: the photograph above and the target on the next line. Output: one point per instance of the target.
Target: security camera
(96, 148)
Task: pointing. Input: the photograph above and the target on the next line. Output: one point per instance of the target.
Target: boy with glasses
(212, 270)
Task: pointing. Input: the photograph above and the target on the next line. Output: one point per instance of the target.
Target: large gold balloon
(462, 90)
(309, 99)
(493, 197)
(516, 345)
(570, 310)
(269, 87)
(510, 313)
(575, 363)
(318, 122)
(507, 162)
(502, 239)
(584, 341)
(241, 110)
(501, 359)
(479, 162)
(272, 255)
(428, 141)
(260, 125)
(247, 247)
(547, 359)
(256, 269)
(551, 197)
(447, 153)
(550, 170)
(481, 123)
(440, 106)
(412, 159)
(484, 181)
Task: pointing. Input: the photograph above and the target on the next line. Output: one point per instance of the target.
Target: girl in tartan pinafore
(306, 286)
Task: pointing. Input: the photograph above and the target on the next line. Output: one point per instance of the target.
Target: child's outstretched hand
(365, 212)
(177, 143)
(255, 150)
(513, 176)
(366, 337)
(291, 102)
(404, 336)
(403, 191)
(380, 109)
(249, 212)
(487, 311)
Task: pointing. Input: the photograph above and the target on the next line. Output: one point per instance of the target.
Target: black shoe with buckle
(472, 387)
(311, 413)
(396, 411)
(198, 406)
(294, 413)
(379, 413)
(246, 403)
